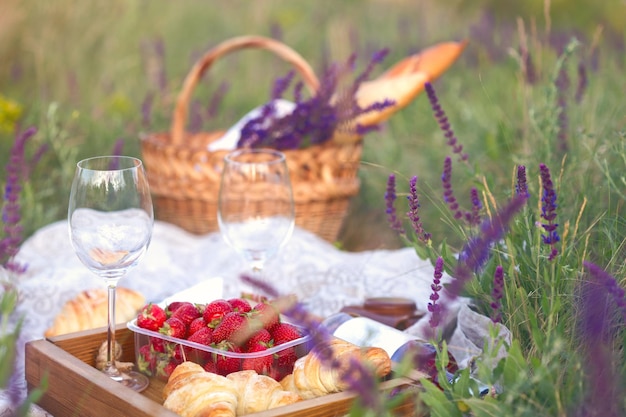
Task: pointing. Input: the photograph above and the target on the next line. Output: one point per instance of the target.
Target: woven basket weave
(184, 175)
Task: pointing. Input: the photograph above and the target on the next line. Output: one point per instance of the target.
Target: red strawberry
(209, 366)
(239, 304)
(151, 317)
(284, 332)
(267, 314)
(234, 328)
(263, 337)
(174, 327)
(202, 336)
(173, 306)
(187, 312)
(215, 311)
(157, 344)
(197, 324)
(260, 364)
(164, 369)
(146, 359)
(225, 365)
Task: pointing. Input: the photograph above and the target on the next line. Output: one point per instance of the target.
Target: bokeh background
(84, 73)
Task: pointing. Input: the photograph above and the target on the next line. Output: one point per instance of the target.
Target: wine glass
(110, 219)
(255, 204)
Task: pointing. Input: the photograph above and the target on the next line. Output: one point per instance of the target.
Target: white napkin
(202, 293)
(231, 137)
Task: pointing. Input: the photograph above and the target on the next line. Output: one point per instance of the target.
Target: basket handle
(177, 129)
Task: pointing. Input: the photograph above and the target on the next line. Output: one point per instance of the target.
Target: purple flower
(413, 213)
(448, 193)
(496, 294)
(315, 120)
(596, 331)
(433, 307)
(146, 110)
(390, 198)
(444, 124)
(11, 217)
(473, 217)
(521, 187)
(582, 82)
(562, 85)
(476, 252)
(357, 376)
(548, 212)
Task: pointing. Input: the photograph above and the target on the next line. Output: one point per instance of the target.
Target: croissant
(259, 392)
(193, 392)
(88, 310)
(312, 378)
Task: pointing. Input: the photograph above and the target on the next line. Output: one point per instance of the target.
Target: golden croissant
(88, 310)
(312, 378)
(193, 392)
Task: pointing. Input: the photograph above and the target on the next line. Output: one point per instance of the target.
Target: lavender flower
(146, 110)
(413, 213)
(473, 217)
(10, 243)
(476, 251)
(444, 124)
(448, 193)
(521, 187)
(610, 286)
(313, 121)
(594, 330)
(582, 82)
(548, 212)
(562, 85)
(496, 294)
(433, 307)
(390, 198)
(356, 376)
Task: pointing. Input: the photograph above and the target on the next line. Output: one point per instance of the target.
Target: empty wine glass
(110, 220)
(255, 204)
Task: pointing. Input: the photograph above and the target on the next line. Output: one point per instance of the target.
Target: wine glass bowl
(255, 205)
(110, 219)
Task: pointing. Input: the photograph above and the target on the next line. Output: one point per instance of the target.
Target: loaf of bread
(89, 310)
(193, 392)
(313, 378)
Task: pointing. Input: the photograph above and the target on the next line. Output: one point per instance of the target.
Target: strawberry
(197, 324)
(203, 336)
(146, 359)
(224, 364)
(164, 369)
(215, 311)
(151, 317)
(260, 364)
(263, 337)
(239, 304)
(267, 314)
(209, 366)
(234, 328)
(284, 332)
(174, 327)
(172, 307)
(187, 312)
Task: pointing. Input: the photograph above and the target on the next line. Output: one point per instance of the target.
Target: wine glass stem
(110, 368)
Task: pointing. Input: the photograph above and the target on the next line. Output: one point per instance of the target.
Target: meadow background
(81, 72)
(539, 82)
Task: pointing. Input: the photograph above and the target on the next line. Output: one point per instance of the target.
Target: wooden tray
(77, 388)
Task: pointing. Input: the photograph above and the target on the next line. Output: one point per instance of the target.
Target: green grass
(79, 72)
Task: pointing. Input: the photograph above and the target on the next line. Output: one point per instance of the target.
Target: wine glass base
(134, 380)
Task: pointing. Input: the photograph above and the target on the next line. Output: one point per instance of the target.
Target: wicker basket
(184, 175)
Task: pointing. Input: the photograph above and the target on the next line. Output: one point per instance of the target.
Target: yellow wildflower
(10, 113)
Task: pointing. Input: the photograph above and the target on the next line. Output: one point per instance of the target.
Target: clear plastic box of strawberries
(223, 335)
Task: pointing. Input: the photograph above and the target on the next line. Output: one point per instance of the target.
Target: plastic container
(157, 354)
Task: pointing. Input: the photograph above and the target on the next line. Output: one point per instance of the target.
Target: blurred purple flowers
(433, 307)
(390, 197)
(18, 170)
(444, 124)
(496, 294)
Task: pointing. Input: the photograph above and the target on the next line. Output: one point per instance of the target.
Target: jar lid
(390, 306)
